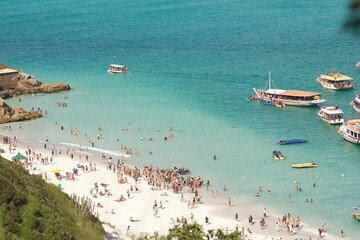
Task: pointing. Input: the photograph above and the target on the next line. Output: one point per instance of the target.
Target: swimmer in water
(214, 157)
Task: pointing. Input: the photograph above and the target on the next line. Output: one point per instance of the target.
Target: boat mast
(114, 60)
(270, 80)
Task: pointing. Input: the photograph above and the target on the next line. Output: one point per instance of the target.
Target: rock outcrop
(8, 114)
(27, 84)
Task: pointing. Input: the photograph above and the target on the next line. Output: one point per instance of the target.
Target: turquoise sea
(193, 64)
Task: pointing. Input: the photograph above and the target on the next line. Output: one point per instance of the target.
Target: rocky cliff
(8, 114)
(27, 84)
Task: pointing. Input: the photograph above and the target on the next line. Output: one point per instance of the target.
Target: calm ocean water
(193, 64)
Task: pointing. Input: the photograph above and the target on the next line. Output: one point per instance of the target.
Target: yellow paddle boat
(305, 165)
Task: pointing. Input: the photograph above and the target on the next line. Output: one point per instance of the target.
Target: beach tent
(56, 171)
(19, 157)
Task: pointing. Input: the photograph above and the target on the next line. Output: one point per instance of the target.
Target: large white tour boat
(289, 97)
(331, 115)
(356, 103)
(336, 81)
(350, 131)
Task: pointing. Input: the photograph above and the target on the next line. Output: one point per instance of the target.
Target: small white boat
(336, 81)
(350, 131)
(331, 115)
(289, 97)
(114, 68)
(356, 103)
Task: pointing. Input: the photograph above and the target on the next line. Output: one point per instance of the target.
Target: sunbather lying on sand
(132, 220)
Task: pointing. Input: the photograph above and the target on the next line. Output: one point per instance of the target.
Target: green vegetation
(2, 66)
(194, 231)
(34, 209)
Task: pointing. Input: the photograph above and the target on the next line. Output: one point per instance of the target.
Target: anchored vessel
(114, 68)
(289, 97)
(284, 142)
(336, 81)
(356, 103)
(331, 115)
(350, 131)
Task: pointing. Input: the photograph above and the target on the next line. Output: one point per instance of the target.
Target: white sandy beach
(140, 204)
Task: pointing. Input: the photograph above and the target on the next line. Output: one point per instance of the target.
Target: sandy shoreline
(140, 204)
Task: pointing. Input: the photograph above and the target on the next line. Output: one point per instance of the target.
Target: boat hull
(290, 102)
(304, 165)
(284, 142)
(356, 108)
(117, 72)
(331, 120)
(343, 132)
(333, 87)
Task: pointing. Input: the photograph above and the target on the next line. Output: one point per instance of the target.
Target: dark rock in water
(19, 83)
(8, 114)
(14, 82)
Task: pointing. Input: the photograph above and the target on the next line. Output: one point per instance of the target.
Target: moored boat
(336, 81)
(350, 131)
(357, 65)
(284, 142)
(115, 68)
(289, 97)
(356, 103)
(274, 103)
(184, 171)
(305, 165)
(331, 115)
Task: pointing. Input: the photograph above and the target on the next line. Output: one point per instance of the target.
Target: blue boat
(273, 104)
(283, 142)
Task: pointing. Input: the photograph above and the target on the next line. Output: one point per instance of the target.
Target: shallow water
(193, 64)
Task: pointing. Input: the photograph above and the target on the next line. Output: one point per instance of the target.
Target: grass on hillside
(34, 209)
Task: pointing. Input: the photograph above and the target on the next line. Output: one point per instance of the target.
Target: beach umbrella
(56, 171)
(19, 157)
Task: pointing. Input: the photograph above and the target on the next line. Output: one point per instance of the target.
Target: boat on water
(184, 171)
(284, 142)
(274, 103)
(350, 131)
(357, 65)
(278, 155)
(289, 97)
(356, 215)
(331, 115)
(115, 68)
(356, 103)
(336, 81)
(305, 165)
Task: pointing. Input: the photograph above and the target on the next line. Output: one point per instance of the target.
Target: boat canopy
(275, 91)
(336, 77)
(117, 66)
(298, 93)
(353, 122)
(332, 110)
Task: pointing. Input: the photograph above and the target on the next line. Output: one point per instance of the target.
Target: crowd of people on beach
(159, 180)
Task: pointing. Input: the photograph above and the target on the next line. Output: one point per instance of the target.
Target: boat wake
(114, 153)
